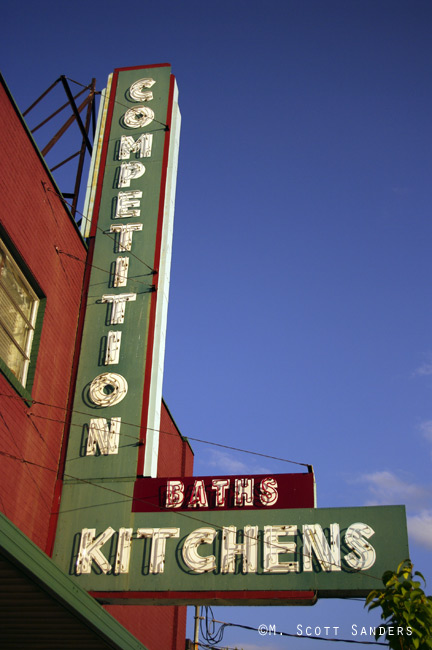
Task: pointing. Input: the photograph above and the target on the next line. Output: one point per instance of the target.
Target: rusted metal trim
(63, 129)
(77, 112)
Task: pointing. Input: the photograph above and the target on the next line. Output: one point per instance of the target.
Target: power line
(145, 501)
(116, 101)
(138, 426)
(104, 232)
(133, 279)
(225, 624)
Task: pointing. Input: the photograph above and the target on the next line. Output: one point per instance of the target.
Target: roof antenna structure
(85, 125)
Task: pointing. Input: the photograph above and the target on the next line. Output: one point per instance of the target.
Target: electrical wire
(184, 514)
(208, 630)
(116, 101)
(104, 232)
(138, 426)
(133, 279)
(225, 625)
(198, 440)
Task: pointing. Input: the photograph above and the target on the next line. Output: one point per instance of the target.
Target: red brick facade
(46, 243)
(173, 448)
(43, 235)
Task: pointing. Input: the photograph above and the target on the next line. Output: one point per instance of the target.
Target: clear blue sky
(300, 310)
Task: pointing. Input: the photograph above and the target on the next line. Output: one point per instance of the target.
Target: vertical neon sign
(116, 413)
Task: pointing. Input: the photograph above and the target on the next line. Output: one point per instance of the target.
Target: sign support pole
(196, 635)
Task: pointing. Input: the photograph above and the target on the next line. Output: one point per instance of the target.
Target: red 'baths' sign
(224, 492)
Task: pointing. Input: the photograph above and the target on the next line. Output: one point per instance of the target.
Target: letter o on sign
(108, 389)
(138, 116)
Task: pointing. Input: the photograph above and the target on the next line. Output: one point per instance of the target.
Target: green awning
(41, 607)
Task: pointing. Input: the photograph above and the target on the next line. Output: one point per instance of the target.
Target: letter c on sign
(137, 90)
(108, 389)
(191, 557)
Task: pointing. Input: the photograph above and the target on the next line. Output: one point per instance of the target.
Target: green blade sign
(229, 557)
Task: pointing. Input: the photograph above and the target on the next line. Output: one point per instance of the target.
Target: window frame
(23, 384)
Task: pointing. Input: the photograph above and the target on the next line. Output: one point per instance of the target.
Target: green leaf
(373, 606)
(404, 603)
(417, 573)
(371, 596)
(387, 576)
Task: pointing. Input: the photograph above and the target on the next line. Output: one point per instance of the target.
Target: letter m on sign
(104, 437)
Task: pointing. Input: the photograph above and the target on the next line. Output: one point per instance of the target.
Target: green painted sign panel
(115, 417)
(111, 404)
(332, 551)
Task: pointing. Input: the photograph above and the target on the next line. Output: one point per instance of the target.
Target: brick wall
(36, 223)
(32, 434)
(159, 628)
(175, 454)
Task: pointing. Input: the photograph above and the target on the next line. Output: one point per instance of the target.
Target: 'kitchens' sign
(246, 556)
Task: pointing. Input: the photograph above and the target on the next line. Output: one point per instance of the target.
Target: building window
(18, 310)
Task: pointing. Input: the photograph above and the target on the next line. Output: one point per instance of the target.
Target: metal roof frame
(84, 127)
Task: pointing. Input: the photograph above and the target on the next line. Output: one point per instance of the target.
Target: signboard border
(221, 598)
